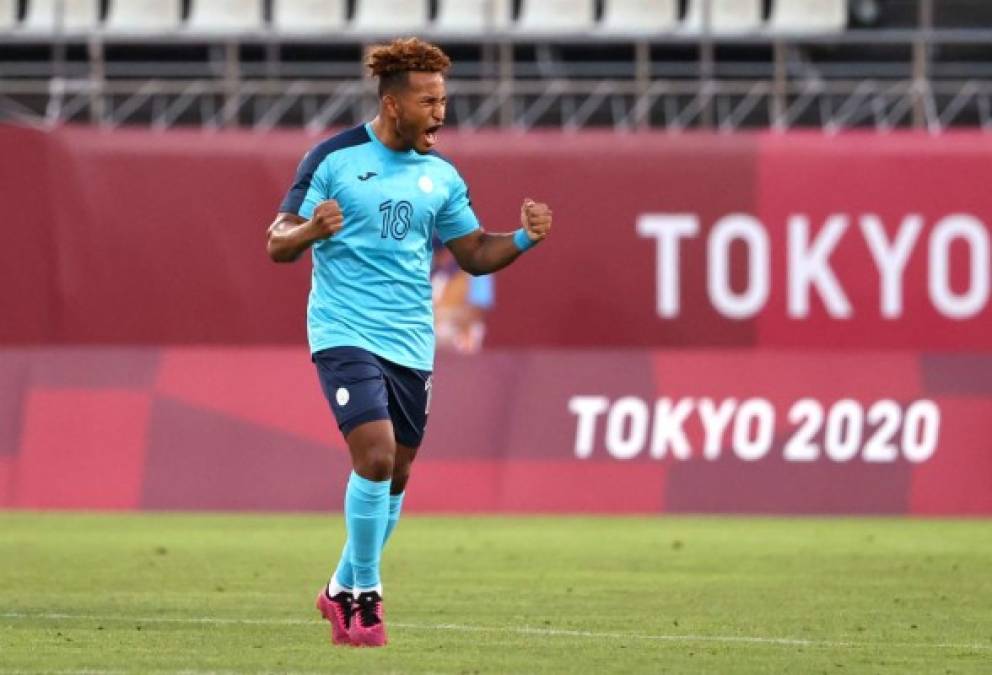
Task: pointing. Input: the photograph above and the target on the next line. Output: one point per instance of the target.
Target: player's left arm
(481, 252)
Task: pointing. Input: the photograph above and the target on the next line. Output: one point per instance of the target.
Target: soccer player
(367, 203)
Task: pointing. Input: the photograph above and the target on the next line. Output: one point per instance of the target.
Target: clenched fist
(535, 218)
(327, 219)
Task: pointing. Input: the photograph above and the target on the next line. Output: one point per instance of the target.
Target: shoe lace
(344, 601)
(367, 608)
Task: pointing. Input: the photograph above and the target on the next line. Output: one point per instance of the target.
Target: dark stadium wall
(747, 323)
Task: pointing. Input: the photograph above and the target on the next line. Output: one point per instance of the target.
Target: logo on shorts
(342, 396)
(429, 388)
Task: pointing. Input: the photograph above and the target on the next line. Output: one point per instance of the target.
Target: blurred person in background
(460, 304)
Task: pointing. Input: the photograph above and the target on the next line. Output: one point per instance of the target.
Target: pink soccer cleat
(367, 626)
(337, 610)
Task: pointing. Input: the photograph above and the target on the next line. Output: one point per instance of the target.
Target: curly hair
(392, 62)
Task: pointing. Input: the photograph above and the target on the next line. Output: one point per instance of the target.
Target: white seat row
(466, 17)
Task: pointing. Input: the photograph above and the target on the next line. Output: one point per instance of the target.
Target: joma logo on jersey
(365, 176)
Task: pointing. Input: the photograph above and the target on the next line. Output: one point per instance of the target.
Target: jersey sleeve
(456, 218)
(311, 186)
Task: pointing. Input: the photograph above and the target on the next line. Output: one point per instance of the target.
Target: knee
(373, 450)
(377, 463)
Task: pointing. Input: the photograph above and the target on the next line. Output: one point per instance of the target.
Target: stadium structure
(733, 416)
(665, 64)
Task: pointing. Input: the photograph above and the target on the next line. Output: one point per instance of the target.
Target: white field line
(521, 630)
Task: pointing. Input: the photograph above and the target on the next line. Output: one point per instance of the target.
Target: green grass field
(219, 593)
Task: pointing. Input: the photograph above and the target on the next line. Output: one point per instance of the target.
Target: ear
(390, 104)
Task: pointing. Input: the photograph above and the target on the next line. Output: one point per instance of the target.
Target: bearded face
(419, 110)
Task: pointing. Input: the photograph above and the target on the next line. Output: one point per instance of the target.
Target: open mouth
(430, 134)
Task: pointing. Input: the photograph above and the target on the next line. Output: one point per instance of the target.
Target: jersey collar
(385, 148)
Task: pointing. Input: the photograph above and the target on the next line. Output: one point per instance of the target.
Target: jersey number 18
(396, 218)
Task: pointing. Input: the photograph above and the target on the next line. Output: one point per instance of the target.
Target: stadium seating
(68, 16)
(8, 14)
(143, 16)
(808, 16)
(726, 16)
(472, 16)
(640, 16)
(454, 17)
(309, 16)
(390, 16)
(225, 16)
(557, 16)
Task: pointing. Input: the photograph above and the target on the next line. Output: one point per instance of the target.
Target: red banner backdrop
(857, 241)
(551, 431)
(757, 323)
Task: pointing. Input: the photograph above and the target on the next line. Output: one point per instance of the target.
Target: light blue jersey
(370, 284)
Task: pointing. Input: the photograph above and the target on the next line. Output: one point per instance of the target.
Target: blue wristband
(522, 241)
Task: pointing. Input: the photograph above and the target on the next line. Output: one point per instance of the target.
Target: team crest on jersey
(426, 184)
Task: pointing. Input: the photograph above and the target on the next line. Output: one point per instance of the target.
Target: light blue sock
(366, 512)
(345, 573)
(395, 506)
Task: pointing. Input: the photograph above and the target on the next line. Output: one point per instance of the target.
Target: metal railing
(789, 85)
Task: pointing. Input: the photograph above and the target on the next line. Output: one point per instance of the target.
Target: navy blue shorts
(362, 387)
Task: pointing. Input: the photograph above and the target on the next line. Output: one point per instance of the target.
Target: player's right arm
(290, 234)
(308, 214)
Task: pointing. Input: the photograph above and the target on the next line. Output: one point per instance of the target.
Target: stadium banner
(799, 240)
(558, 431)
